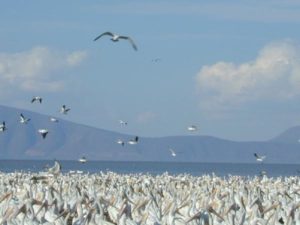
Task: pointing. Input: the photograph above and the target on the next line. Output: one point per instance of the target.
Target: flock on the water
(143, 199)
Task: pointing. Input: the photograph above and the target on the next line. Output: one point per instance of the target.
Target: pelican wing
(130, 40)
(105, 33)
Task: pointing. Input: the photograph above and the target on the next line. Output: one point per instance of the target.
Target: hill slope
(67, 140)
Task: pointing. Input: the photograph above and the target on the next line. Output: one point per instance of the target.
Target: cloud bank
(273, 75)
(37, 69)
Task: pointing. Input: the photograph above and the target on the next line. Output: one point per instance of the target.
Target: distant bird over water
(122, 122)
(259, 158)
(64, 109)
(173, 153)
(43, 132)
(24, 120)
(53, 119)
(36, 98)
(120, 142)
(133, 141)
(115, 38)
(192, 128)
(82, 160)
(3, 127)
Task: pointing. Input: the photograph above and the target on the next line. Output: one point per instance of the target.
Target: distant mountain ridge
(67, 140)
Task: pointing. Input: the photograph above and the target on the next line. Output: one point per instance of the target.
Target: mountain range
(70, 141)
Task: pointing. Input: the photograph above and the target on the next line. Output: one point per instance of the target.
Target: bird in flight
(53, 119)
(123, 122)
(36, 98)
(3, 127)
(192, 128)
(120, 142)
(133, 141)
(173, 153)
(259, 158)
(23, 119)
(43, 132)
(64, 109)
(116, 37)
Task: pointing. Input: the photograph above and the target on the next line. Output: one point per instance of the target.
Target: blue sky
(231, 68)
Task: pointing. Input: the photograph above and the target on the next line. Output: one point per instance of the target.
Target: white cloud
(274, 74)
(37, 69)
(145, 117)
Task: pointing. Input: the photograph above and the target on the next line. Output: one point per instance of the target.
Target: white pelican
(53, 119)
(43, 132)
(3, 127)
(123, 122)
(259, 158)
(115, 38)
(36, 98)
(133, 141)
(173, 153)
(55, 170)
(23, 119)
(82, 160)
(120, 142)
(192, 128)
(64, 109)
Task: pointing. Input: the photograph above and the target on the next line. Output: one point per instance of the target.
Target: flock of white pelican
(53, 198)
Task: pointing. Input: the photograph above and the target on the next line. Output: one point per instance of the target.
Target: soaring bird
(36, 98)
(122, 122)
(259, 158)
(3, 127)
(192, 128)
(173, 153)
(64, 109)
(120, 142)
(116, 37)
(23, 119)
(82, 160)
(133, 141)
(53, 119)
(43, 132)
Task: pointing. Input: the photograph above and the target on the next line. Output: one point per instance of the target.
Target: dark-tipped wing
(130, 40)
(105, 33)
(256, 156)
(33, 99)
(22, 117)
(44, 134)
(40, 99)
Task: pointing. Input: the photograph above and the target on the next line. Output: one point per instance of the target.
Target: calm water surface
(220, 169)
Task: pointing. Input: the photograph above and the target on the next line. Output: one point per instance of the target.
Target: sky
(230, 67)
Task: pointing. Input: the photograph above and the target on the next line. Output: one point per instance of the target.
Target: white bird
(120, 142)
(115, 38)
(23, 119)
(259, 158)
(133, 141)
(43, 132)
(55, 170)
(64, 109)
(122, 122)
(82, 160)
(192, 128)
(3, 127)
(173, 153)
(53, 119)
(36, 98)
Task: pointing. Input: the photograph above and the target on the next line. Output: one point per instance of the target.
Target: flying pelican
(82, 160)
(53, 119)
(120, 142)
(3, 127)
(43, 132)
(23, 119)
(122, 122)
(115, 38)
(133, 141)
(173, 153)
(192, 128)
(259, 158)
(36, 98)
(64, 109)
